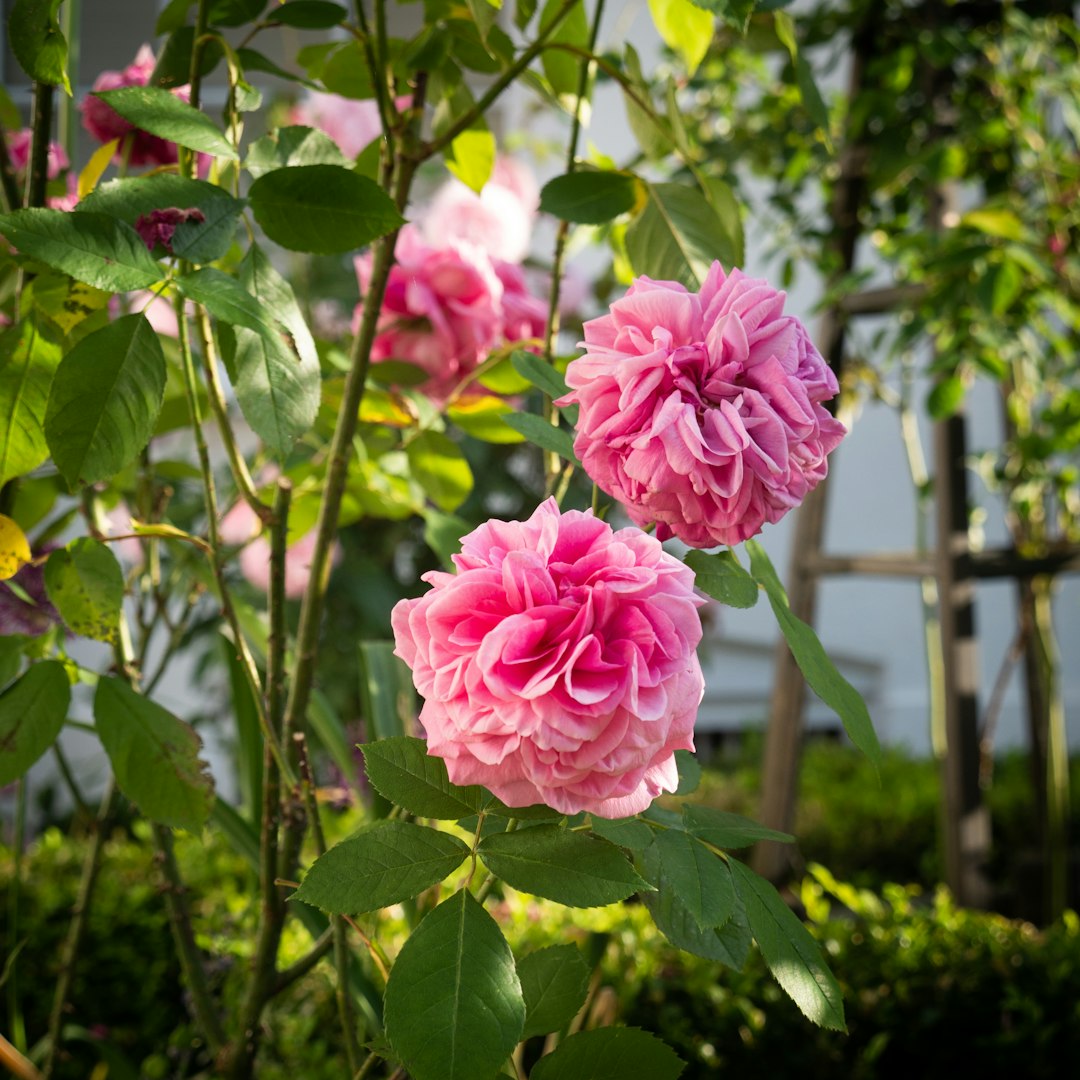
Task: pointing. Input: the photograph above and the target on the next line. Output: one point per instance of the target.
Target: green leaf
(226, 299)
(698, 875)
(481, 416)
(65, 301)
(453, 1006)
(154, 755)
(441, 469)
(278, 389)
(804, 75)
(630, 833)
(540, 373)
(653, 133)
(173, 67)
(562, 68)
(590, 197)
(384, 863)
(173, 16)
(728, 945)
(727, 208)
(105, 400)
(309, 14)
(86, 586)
(38, 43)
(324, 209)
(570, 868)
(554, 984)
(814, 663)
(689, 772)
(685, 28)
(678, 236)
(611, 1053)
(28, 361)
(723, 578)
(163, 114)
(291, 146)
(790, 952)
(995, 221)
(946, 397)
(32, 712)
(253, 60)
(386, 689)
(345, 72)
(196, 241)
(726, 830)
(471, 156)
(543, 434)
(94, 248)
(401, 770)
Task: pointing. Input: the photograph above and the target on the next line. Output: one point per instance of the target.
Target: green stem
(467, 119)
(206, 1011)
(378, 64)
(16, 1021)
(37, 169)
(286, 978)
(69, 779)
(263, 983)
(216, 395)
(77, 928)
(9, 186)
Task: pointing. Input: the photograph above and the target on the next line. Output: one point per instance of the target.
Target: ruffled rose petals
(558, 664)
(702, 412)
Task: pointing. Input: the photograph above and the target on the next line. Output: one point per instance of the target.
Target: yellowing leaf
(471, 157)
(96, 166)
(1002, 223)
(14, 548)
(166, 532)
(379, 407)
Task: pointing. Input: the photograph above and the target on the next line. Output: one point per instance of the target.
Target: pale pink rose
(129, 550)
(353, 125)
(241, 526)
(18, 143)
(442, 310)
(105, 124)
(499, 219)
(558, 665)
(702, 411)
(68, 201)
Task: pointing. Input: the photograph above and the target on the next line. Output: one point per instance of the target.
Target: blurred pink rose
(701, 411)
(159, 226)
(558, 664)
(524, 314)
(105, 124)
(442, 310)
(241, 526)
(499, 219)
(353, 125)
(18, 143)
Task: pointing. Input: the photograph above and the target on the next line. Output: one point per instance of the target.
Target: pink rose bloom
(702, 411)
(18, 143)
(105, 124)
(353, 125)
(558, 664)
(241, 525)
(524, 314)
(499, 219)
(442, 310)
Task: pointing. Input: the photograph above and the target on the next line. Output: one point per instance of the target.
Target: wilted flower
(30, 614)
(159, 226)
(105, 124)
(702, 411)
(558, 664)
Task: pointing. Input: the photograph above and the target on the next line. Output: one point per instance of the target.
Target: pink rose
(242, 526)
(105, 124)
(18, 143)
(558, 664)
(524, 314)
(442, 310)
(702, 411)
(159, 226)
(499, 219)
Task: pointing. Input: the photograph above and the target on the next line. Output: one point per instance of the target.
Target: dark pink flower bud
(159, 226)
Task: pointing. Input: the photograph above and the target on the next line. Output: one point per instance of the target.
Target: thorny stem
(77, 927)
(286, 978)
(37, 169)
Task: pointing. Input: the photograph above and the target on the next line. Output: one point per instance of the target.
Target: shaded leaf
(818, 670)
(163, 114)
(38, 43)
(554, 984)
(441, 469)
(790, 952)
(543, 434)
(86, 586)
(323, 209)
(384, 863)
(155, 756)
(612, 1053)
(32, 712)
(28, 361)
(723, 578)
(699, 876)
(105, 400)
(727, 830)
(94, 248)
(589, 196)
(401, 770)
(285, 147)
(453, 1005)
(570, 868)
